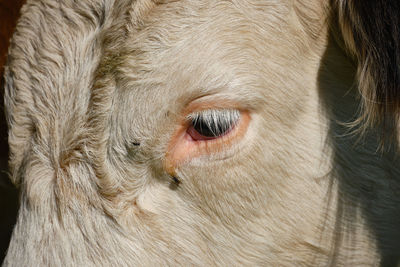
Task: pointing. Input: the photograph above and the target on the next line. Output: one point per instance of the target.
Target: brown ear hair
(370, 30)
(9, 12)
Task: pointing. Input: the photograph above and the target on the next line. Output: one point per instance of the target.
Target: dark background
(9, 12)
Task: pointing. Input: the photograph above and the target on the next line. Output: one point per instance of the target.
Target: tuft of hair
(371, 33)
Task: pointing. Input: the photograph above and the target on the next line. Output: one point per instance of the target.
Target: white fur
(86, 80)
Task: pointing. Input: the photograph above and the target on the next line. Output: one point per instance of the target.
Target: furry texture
(371, 32)
(95, 91)
(8, 195)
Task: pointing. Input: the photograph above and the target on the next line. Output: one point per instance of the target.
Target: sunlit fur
(95, 90)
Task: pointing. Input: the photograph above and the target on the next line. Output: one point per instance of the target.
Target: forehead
(194, 48)
(185, 50)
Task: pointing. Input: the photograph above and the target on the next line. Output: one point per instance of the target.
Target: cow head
(199, 133)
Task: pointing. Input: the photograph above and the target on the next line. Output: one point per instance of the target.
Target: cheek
(218, 187)
(184, 146)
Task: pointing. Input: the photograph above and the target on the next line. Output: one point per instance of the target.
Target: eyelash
(225, 128)
(212, 123)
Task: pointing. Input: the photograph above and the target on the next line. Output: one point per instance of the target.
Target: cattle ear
(371, 33)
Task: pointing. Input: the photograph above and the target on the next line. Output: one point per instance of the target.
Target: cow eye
(211, 124)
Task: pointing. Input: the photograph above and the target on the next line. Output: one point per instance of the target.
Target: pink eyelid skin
(186, 144)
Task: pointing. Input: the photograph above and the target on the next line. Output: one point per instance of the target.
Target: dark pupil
(210, 130)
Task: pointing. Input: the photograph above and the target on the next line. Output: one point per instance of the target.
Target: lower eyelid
(183, 148)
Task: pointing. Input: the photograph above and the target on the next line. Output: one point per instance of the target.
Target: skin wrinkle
(98, 96)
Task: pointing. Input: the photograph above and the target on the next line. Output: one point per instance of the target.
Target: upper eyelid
(234, 114)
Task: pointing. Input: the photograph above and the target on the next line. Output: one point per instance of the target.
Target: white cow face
(191, 133)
